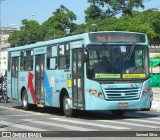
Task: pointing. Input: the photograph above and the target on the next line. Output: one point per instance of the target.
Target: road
(52, 122)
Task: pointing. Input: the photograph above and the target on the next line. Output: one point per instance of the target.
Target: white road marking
(75, 128)
(129, 123)
(25, 127)
(88, 123)
(146, 121)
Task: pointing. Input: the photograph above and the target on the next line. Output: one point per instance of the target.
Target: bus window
(26, 60)
(139, 58)
(63, 56)
(135, 63)
(14, 67)
(52, 64)
(51, 57)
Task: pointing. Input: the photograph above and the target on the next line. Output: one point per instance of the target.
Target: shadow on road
(90, 115)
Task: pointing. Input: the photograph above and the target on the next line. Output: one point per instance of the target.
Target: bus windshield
(117, 62)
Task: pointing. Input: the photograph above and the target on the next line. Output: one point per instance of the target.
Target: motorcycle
(3, 93)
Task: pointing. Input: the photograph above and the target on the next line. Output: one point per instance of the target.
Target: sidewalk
(156, 99)
(156, 91)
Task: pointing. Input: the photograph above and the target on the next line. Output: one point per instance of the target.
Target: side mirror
(85, 56)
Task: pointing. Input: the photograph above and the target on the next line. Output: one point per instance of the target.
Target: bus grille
(118, 94)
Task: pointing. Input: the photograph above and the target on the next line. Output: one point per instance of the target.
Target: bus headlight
(145, 92)
(96, 93)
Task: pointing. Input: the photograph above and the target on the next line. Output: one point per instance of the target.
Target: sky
(14, 11)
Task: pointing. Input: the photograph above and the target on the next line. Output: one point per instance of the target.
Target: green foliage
(92, 13)
(59, 24)
(100, 16)
(80, 29)
(113, 7)
(30, 33)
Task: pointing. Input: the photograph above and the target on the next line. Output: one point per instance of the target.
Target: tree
(152, 16)
(113, 7)
(93, 12)
(61, 21)
(30, 33)
(79, 29)
(56, 26)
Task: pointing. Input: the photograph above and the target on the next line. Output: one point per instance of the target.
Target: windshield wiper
(130, 52)
(106, 47)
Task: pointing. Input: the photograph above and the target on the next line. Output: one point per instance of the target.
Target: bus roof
(69, 38)
(50, 42)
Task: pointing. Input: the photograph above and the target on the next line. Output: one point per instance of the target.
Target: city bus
(94, 71)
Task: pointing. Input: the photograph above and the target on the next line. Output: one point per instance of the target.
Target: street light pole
(0, 20)
(33, 15)
(0, 34)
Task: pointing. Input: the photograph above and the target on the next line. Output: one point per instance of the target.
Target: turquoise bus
(105, 70)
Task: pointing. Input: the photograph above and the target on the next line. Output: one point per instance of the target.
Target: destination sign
(117, 37)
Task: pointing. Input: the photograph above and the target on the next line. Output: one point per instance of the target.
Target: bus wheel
(25, 100)
(68, 111)
(118, 113)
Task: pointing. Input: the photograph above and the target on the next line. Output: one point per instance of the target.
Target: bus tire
(118, 113)
(25, 100)
(67, 110)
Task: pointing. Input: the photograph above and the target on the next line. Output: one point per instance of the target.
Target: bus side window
(21, 61)
(64, 56)
(26, 60)
(51, 57)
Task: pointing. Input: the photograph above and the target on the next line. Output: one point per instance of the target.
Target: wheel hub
(67, 104)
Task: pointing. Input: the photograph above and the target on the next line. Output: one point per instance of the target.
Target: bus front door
(77, 78)
(14, 77)
(39, 79)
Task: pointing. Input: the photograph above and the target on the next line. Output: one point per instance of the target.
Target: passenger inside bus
(102, 66)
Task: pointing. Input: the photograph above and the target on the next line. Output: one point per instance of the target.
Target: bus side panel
(9, 84)
(48, 88)
(55, 81)
(26, 82)
(51, 88)
(14, 89)
(31, 87)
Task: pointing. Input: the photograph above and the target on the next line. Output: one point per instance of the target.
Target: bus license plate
(122, 104)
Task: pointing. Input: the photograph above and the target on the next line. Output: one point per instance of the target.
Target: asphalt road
(51, 123)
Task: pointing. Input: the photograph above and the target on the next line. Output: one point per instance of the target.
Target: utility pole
(0, 34)
(0, 20)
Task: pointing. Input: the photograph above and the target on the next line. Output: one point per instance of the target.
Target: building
(4, 45)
